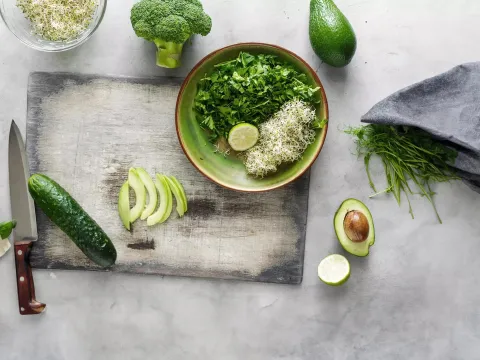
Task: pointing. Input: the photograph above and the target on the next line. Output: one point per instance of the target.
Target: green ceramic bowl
(229, 171)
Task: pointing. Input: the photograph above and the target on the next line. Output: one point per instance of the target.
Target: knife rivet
(22, 309)
(22, 278)
(19, 252)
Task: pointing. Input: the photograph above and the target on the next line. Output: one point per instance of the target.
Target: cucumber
(69, 216)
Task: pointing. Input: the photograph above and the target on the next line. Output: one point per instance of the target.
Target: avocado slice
(331, 34)
(140, 193)
(179, 193)
(166, 201)
(124, 205)
(152, 193)
(353, 225)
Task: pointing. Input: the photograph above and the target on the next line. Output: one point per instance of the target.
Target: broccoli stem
(168, 53)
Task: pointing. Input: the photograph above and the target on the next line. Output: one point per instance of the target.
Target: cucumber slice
(165, 208)
(177, 192)
(124, 205)
(152, 193)
(140, 194)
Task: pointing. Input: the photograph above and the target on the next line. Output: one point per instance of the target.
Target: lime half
(243, 136)
(334, 270)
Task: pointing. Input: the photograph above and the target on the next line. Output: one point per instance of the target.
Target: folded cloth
(448, 107)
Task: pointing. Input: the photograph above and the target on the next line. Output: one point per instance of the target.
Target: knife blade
(23, 211)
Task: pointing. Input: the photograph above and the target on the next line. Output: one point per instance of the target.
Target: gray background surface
(415, 297)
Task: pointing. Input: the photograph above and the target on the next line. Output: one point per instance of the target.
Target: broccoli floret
(169, 24)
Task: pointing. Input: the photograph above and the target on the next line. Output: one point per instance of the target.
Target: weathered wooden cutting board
(86, 132)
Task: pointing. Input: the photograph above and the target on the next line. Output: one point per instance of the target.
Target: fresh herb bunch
(407, 154)
(248, 89)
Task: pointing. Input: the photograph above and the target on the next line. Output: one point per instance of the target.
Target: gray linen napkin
(448, 107)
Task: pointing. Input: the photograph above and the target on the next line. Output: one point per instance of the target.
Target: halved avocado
(353, 225)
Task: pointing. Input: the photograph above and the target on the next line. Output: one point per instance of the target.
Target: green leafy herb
(408, 154)
(6, 228)
(248, 89)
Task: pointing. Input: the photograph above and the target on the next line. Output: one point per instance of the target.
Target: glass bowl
(21, 28)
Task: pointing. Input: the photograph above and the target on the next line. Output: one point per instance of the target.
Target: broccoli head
(169, 24)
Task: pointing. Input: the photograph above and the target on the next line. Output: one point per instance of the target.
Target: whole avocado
(331, 34)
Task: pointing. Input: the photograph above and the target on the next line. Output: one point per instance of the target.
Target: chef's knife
(26, 231)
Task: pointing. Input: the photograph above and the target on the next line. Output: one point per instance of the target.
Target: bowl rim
(270, 187)
(68, 47)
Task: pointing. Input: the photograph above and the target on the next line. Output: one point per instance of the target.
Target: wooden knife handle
(27, 303)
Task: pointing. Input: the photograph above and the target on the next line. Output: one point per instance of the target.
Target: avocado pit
(356, 226)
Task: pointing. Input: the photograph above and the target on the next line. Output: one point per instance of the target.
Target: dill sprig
(408, 155)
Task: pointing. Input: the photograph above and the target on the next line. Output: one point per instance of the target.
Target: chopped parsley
(249, 89)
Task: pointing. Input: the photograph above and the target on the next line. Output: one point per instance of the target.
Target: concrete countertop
(415, 297)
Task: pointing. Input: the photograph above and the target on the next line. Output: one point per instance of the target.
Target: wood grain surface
(86, 131)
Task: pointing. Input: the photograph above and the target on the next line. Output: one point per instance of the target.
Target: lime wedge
(334, 270)
(243, 136)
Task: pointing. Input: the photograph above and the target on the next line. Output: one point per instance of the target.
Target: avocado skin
(331, 34)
